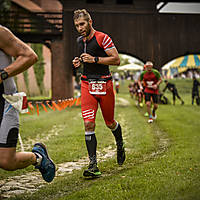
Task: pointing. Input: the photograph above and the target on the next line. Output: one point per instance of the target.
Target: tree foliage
(5, 5)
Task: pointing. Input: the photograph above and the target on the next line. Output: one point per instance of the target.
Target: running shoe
(150, 120)
(121, 156)
(154, 117)
(46, 167)
(141, 105)
(92, 171)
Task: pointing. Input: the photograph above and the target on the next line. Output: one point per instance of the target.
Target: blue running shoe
(46, 167)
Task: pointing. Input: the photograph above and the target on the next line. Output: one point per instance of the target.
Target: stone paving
(29, 182)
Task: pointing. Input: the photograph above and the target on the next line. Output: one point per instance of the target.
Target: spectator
(195, 90)
(172, 88)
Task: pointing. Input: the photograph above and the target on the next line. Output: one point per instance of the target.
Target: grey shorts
(9, 125)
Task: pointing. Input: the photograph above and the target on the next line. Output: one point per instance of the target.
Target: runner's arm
(140, 80)
(112, 59)
(157, 84)
(140, 84)
(25, 57)
(165, 88)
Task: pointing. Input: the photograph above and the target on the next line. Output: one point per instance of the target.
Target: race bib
(97, 87)
(150, 84)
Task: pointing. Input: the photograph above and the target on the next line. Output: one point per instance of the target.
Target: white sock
(115, 127)
(38, 159)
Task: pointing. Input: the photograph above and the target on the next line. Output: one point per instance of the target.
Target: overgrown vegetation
(26, 80)
(39, 67)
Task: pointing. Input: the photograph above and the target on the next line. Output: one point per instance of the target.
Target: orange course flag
(72, 102)
(37, 109)
(44, 107)
(31, 107)
(52, 107)
(56, 106)
(78, 102)
(67, 103)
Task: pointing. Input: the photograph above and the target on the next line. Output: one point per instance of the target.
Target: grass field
(163, 158)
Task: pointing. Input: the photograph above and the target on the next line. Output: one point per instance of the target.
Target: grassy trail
(154, 143)
(162, 158)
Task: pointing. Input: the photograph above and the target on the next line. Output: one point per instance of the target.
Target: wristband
(4, 75)
(96, 59)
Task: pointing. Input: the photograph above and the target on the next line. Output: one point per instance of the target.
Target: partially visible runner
(131, 89)
(138, 94)
(172, 88)
(143, 85)
(151, 79)
(117, 86)
(96, 52)
(11, 160)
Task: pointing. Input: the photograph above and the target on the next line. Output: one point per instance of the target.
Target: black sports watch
(4, 75)
(96, 59)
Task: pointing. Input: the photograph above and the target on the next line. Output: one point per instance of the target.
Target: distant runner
(151, 78)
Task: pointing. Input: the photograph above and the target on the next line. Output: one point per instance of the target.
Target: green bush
(39, 67)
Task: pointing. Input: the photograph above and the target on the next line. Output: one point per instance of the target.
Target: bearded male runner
(96, 52)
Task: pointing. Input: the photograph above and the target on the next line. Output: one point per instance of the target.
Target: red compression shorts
(89, 103)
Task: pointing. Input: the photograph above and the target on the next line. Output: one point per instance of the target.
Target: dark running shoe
(92, 171)
(120, 154)
(46, 167)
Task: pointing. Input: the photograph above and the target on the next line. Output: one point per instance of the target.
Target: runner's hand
(76, 62)
(155, 86)
(87, 58)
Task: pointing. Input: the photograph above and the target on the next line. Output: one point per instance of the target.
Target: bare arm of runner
(112, 59)
(11, 45)
(155, 86)
(140, 84)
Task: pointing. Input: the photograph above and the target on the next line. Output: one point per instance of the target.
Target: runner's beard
(88, 31)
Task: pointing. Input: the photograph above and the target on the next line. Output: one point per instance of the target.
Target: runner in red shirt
(151, 78)
(96, 53)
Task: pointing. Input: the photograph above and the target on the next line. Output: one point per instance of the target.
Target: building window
(95, 1)
(124, 1)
